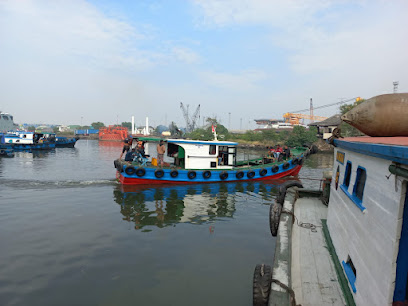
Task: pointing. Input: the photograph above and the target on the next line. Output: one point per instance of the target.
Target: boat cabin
(23, 137)
(196, 154)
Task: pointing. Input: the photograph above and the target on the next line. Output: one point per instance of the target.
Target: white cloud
(243, 81)
(186, 55)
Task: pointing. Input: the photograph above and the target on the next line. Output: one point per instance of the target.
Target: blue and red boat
(197, 161)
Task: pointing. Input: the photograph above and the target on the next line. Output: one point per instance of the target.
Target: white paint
(371, 239)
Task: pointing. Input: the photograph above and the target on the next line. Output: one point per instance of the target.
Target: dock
(304, 271)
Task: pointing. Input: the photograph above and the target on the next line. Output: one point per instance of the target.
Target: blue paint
(218, 143)
(215, 174)
(350, 275)
(400, 293)
(353, 198)
(389, 152)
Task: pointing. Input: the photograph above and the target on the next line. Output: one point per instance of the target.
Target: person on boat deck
(286, 152)
(130, 155)
(278, 151)
(126, 148)
(161, 149)
(140, 149)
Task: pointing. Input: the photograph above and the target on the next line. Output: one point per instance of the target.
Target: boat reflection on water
(166, 205)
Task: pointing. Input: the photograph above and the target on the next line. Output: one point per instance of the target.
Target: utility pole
(311, 110)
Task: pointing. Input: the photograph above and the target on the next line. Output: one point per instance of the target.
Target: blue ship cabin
(368, 217)
(195, 154)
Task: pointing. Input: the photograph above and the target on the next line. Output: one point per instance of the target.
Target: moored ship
(113, 133)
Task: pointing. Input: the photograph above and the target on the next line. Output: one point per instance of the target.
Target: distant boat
(6, 123)
(113, 133)
(26, 141)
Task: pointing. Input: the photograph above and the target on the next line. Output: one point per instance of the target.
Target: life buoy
(174, 173)
(263, 172)
(140, 172)
(275, 169)
(159, 173)
(285, 165)
(223, 175)
(191, 175)
(239, 175)
(130, 170)
(207, 174)
(295, 161)
(251, 174)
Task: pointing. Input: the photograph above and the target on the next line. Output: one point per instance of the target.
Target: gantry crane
(190, 123)
(294, 119)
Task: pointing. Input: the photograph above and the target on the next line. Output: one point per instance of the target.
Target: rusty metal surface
(384, 115)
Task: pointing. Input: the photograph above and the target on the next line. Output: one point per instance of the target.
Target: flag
(213, 128)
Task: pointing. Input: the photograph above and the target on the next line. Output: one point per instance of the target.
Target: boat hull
(65, 142)
(149, 178)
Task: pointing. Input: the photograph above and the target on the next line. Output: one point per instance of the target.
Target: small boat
(26, 141)
(61, 141)
(6, 150)
(113, 133)
(196, 161)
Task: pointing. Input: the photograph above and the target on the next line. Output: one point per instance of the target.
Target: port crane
(190, 122)
(294, 118)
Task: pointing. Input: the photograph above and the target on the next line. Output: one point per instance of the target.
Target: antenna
(190, 123)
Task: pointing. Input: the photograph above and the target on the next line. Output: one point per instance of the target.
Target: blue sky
(61, 61)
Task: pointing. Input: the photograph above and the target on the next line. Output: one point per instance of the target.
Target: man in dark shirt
(286, 152)
(126, 148)
(130, 155)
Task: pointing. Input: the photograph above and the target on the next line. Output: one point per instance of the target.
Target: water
(70, 235)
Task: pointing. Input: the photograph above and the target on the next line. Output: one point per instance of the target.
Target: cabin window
(351, 273)
(212, 150)
(347, 175)
(358, 189)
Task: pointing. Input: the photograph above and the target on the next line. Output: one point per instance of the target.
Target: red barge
(113, 133)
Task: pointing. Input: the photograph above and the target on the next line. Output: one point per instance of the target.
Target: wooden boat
(197, 161)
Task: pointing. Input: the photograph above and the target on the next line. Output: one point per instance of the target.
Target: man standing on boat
(126, 148)
(161, 149)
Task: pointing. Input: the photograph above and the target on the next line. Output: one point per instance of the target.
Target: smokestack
(133, 125)
(147, 126)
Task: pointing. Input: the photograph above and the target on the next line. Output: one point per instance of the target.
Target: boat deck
(313, 274)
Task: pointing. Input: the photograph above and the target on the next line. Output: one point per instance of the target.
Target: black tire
(174, 173)
(115, 162)
(159, 173)
(282, 190)
(314, 149)
(130, 170)
(251, 174)
(263, 172)
(275, 169)
(261, 285)
(140, 172)
(280, 158)
(285, 166)
(191, 175)
(223, 175)
(274, 217)
(300, 161)
(239, 175)
(295, 161)
(207, 174)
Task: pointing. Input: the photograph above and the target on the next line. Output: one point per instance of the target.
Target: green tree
(127, 125)
(301, 136)
(31, 128)
(97, 125)
(55, 129)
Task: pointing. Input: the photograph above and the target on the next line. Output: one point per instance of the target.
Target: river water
(71, 235)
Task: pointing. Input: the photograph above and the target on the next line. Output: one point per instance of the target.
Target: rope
(311, 226)
(289, 290)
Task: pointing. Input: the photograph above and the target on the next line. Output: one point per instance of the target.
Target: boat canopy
(196, 154)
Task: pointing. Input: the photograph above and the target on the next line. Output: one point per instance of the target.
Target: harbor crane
(294, 119)
(190, 122)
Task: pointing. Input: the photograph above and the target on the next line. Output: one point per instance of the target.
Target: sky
(78, 62)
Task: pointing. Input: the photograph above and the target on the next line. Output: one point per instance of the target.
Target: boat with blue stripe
(196, 161)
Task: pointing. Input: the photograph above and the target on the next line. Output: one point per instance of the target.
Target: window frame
(353, 196)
